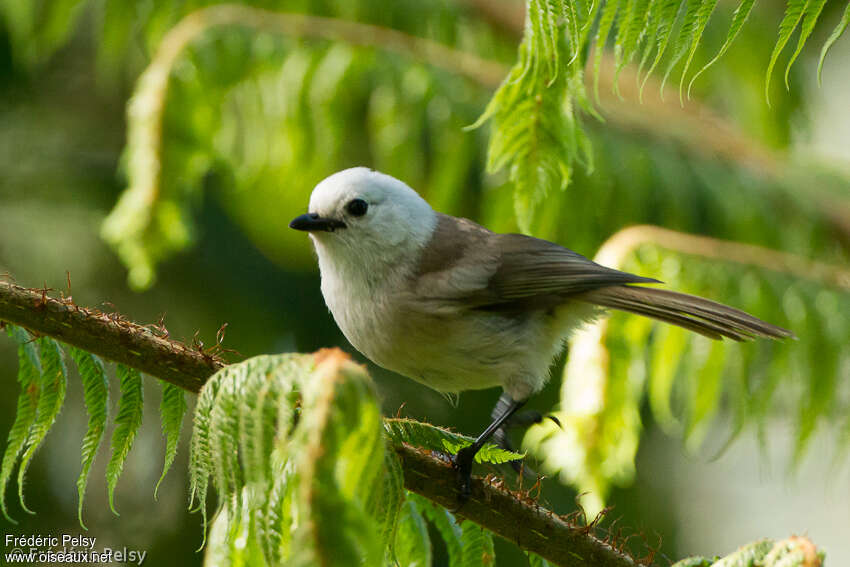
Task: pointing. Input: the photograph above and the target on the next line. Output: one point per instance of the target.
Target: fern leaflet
(96, 396)
(127, 423)
(29, 372)
(172, 408)
(51, 396)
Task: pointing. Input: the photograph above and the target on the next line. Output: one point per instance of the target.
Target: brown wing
(506, 272)
(533, 270)
(532, 267)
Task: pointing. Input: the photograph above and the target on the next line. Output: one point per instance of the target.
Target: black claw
(462, 463)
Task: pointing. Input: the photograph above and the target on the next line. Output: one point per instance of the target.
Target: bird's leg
(519, 419)
(462, 461)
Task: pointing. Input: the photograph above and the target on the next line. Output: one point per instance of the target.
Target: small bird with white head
(450, 304)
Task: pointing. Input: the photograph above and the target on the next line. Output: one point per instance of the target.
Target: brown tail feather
(703, 316)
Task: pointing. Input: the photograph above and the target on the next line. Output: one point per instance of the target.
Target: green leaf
(467, 543)
(811, 13)
(833, 37)
(343, 453)
(412, 545)
(793, 14)
(386, 498)
(434, 438)
(709, 358)
(535, 560)
(703, 14)
(200, 455)
(446, 525)
(665, 19)
(172, 408)
(632, 23)
(698, 561)
(127, 423)
(606, 20)
(683, 39)
(489, 453)
(53, 382)
(739, 18)
(667, 351)
(29, 373)
(314, 429)
(231, 543)
(96, 396)
(477, 545)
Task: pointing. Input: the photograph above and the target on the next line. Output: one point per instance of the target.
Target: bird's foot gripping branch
(304, 467)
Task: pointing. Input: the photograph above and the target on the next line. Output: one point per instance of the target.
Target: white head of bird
(383, 219)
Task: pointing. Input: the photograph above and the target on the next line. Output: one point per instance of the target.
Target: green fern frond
(127, 422)
(29, 373)
(323, 455)
(446, 525)
(224, 445)
(810, 17)
(535, 560)
(794, 12)
(412, 545)
(739, 18)
(96, 396)
(434, 438)
(663, 23)
(487, 454)
(172, 408)
(200, 457)
(792, 552)
(606, 22)
(477, 545)
(51, 395)
(683, 38)
(631, 26)
(687, 379)
(702, 16)
(833, 37)
(467, 544)
(386, 499)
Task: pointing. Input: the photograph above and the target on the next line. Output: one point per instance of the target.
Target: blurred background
(253, 118)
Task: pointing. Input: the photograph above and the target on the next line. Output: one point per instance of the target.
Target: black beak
(312, 222)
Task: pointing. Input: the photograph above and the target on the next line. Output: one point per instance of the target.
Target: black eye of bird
(357, 207)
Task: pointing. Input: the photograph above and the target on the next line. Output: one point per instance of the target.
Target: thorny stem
(109, 335)
(514, 517)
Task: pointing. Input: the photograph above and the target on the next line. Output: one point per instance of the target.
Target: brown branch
(108, 335)
(510, 516)
(111, 336)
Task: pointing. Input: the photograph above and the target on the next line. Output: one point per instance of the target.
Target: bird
(450, 304)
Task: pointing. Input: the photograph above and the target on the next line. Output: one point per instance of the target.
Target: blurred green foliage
(251, 120)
